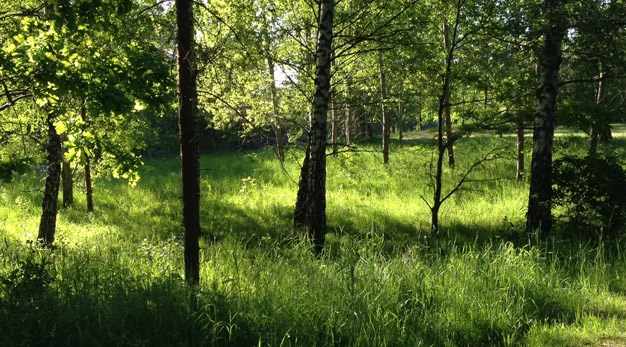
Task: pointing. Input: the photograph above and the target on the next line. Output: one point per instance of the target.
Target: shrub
(592, 192)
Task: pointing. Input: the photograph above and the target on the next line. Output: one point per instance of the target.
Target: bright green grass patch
(115, 277)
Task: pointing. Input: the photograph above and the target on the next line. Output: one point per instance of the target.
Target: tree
(539, 214)
(67, 52)
(187, 99)
(310, 211)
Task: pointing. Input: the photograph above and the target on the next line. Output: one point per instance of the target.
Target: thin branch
(464, 178)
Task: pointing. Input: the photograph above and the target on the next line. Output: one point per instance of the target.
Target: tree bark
(446, 92)
(68, 183)
(444, 104)
(383, 111)
(335, 124)
(349, 121)
(519, 174)
(315, 179)
(47, 224)
(88, 183)
(187, 99)
(539, 215)
(299, 216)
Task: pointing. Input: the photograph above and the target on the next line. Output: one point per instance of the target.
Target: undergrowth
(115, 276)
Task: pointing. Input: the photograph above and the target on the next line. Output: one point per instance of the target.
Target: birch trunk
(47, 223)
(539, 215)
(315, 179)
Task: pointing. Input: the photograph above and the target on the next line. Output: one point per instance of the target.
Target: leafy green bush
(592, 192)
(11, 165)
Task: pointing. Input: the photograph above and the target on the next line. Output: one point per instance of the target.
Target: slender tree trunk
(539, 215)
(335, 124)
(401, 112)
(68, 183)
(349, 121)
(595, 133)
(446, 92)
(300, 212)
(187, 99)
(315, 195)
(519, 175)
(47, 224)
(593, 141)
(444, 103)
(278, 128)
(88, 183)
(383, 111)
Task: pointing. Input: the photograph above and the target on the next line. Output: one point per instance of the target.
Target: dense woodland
(393, 172)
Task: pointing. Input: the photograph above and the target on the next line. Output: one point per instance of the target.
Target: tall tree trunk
(335, 123)
(539, 215)
(68, 183)
(519, 174)
(315, 202)
(349, 113)
(300, 212)
(595, 126)
(383, 111)
(446, 92)
(278, 127)
(187, 98)
(444, 103)
(47, 224)
(401, 112)
(88, 183)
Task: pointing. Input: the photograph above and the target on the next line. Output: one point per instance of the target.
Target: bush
(592, 192)
(11, 165)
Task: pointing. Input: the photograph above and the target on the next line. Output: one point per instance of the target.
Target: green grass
(115, 277)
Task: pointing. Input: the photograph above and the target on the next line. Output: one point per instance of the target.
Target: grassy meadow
(115, 276)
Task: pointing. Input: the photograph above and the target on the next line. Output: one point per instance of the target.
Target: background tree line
(90, 85)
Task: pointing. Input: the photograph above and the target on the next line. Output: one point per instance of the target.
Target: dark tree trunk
(519, 174)
(68, 184)
(383, 111)
(334, 125)
(187, 97)
(446, 92)
(593, 141)
(47, 224)
(401, 113)
(88, 185)
(539, 215)
(595, 131)
(444, 103)
(315, 194)
(605, 133)
(299, 216)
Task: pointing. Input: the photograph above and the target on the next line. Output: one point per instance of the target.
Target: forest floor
(115, 275)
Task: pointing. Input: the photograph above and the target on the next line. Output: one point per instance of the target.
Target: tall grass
(115, 276)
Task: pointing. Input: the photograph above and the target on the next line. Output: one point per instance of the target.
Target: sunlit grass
(115, 277)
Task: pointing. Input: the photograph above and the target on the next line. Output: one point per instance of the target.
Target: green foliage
(592, 192)
(115, 277)
(13, 165)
